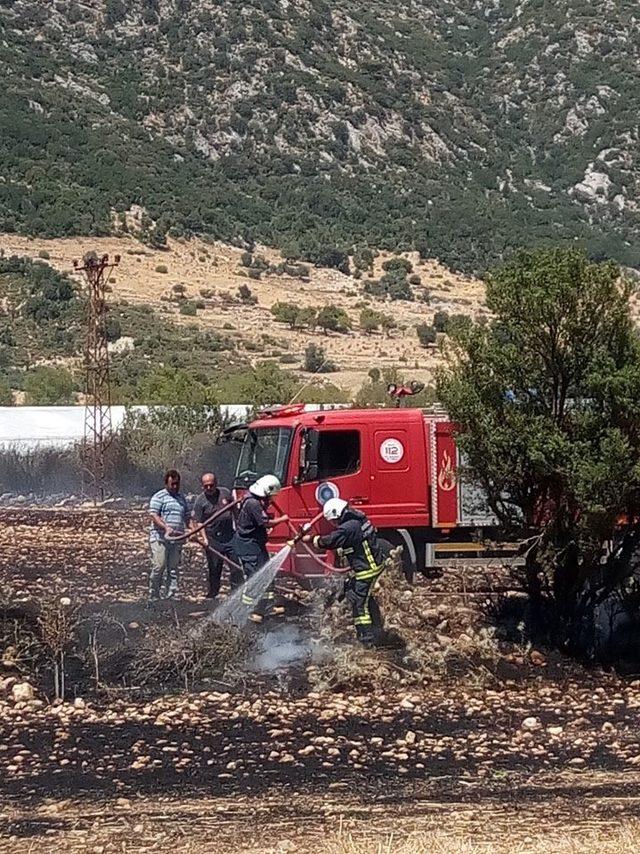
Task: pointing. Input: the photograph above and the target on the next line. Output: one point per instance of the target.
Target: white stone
(22, 691)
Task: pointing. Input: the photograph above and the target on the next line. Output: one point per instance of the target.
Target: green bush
(441, 321)
(427, 335)
(398, 265)
(161, 268)
(244, 292)
(189, 309)
(316, 362)
(6, 395)
(49, 386)
(331, 318)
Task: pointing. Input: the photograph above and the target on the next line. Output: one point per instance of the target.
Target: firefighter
(250, 542)
(355, 539)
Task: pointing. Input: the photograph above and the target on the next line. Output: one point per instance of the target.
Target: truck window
(338, 453)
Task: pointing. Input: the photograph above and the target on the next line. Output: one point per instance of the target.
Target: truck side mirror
(308, 462)
(311, 445)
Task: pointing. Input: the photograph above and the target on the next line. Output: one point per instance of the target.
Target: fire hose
(295, 540)
(298, 538)
(188, 534)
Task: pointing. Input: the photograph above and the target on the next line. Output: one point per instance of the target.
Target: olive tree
(547, 402)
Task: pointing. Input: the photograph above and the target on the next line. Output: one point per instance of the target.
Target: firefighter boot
(366, 636)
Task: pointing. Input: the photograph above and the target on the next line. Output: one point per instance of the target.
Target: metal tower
(97, 419)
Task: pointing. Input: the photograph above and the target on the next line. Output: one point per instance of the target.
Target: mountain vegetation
(460, 130)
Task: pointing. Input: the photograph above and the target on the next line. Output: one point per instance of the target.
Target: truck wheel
(407, 565)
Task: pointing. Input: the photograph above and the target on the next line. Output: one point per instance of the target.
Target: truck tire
(408, 564)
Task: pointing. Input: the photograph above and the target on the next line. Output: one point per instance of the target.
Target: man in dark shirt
(216, 537)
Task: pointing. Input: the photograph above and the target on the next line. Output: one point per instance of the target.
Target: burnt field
(455, 738)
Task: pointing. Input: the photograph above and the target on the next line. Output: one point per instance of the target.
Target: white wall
(28, 427)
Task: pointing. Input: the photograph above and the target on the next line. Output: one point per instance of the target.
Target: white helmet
(265, 486)
(334, 508)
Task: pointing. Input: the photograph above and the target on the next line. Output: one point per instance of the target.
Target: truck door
(332, 461)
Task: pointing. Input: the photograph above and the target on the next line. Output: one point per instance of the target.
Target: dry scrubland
(198, 266)
(455, 741)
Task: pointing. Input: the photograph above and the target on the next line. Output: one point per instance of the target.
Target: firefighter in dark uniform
(355, 539)
(250, 542)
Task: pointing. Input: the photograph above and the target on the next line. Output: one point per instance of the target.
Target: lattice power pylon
(97, 420)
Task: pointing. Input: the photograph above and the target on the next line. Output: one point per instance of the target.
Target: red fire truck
(399, 465)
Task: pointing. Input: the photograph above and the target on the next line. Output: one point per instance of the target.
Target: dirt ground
(541, 756)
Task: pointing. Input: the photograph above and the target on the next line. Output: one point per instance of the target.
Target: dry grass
(413, 651)
(174, 654)
(626, 839)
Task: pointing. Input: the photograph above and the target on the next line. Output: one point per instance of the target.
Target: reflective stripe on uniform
(366, 574)
(364, 620)
(369, 556)
(247, 600)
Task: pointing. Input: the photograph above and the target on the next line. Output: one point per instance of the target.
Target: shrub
(331, 257)
(441, 321)
(427, 335)
(244, 292)
(44, 255)
(161, 268)
(396, 285)
(189, 309)
(113, 328)
(6, 395)
(288, 359)
(369, 320)
(49, 386)
(399, 265)
(246, 259)
(316, 362)
(285, 312)
(387, 322)
(254, 273)
(334, 319)
(375, 288)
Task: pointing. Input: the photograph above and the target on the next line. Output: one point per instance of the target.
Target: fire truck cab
(400, 466)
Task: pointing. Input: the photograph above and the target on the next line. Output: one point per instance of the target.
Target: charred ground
(461, 734)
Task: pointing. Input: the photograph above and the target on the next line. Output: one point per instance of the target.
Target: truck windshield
(264, 451)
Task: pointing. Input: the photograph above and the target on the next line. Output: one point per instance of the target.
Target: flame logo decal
(447, 474)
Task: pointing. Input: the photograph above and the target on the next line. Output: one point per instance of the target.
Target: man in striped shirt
(169, 518)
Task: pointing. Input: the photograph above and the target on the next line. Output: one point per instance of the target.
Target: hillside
(145, 297)
(457, 129)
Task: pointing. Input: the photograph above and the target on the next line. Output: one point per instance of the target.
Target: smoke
(284, 647)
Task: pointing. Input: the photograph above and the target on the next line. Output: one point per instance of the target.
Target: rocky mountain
(458, 128)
